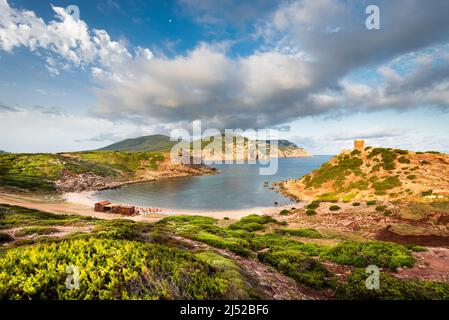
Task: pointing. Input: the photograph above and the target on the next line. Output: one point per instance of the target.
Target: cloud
(370, 133)
(65, 42)
(5, 108)
(310, 48)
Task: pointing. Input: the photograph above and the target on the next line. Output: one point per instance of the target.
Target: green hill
(156, 142)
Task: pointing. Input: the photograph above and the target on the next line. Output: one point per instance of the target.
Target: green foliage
(391, 288)
(305, 270)
(427, 193)
(121, 229)
(285, 212)
(157, 142)
(381, 208)
(356, 204)
(304, 232)
(337, 173)
(363, 254)
(371, 203)
(387, 183)
(109, 269)
(334, 208)
(404, 160)
(252, 222)
(411, 177)
(310, 212)
(388, 157)
(313, 205)
(359, 184)
(37, 172)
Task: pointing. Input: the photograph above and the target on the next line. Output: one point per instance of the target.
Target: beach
(82, 203)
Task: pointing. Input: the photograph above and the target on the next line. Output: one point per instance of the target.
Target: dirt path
(432, 264)
(273, 284)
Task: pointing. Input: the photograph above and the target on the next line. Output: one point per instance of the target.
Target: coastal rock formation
(376, 173)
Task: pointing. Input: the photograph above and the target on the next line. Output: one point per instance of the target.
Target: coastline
(85, 198)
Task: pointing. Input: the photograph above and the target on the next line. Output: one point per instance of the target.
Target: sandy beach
(81, 203)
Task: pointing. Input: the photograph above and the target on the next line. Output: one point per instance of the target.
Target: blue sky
(308, 68)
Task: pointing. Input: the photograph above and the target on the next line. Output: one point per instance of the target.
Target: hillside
(195, 258)
(157, 142)
(380, 173)
(250, 151)
(82, 171)
(162, 143)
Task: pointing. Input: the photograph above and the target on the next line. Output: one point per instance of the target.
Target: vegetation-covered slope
(157, 142)
(85, 170)
(121, 259)
(376, 173)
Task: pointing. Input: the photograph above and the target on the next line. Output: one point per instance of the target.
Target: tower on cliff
(359, 145)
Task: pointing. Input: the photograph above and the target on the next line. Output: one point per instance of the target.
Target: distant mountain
(1, 151)
(156, 142)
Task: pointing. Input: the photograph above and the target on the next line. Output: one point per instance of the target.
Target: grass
(387, 184)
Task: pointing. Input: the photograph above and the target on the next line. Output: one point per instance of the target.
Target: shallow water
(235, 187)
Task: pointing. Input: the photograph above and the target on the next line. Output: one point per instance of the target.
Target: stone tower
(359, 145)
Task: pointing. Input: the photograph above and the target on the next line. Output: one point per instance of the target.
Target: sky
(308, 68)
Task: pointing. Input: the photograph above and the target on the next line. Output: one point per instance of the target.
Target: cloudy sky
(309, 68)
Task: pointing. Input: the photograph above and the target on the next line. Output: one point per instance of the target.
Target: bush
(284, 212)
(387, 184)
(371, 202)
(411, 177)
(334, 208)
(404, 160)
(427, 193)
(306, 232)
(296, 265)
(363, 254)
(356, 204)
(391, 288)
(381, 208)
(313, 205)
(109, 269)
(310, 212)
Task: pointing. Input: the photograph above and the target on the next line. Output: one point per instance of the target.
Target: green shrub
(284, 212)
(427, 193)
(371, 202)
(387, 184)
(411, 177)
(313, 205)
(363, 254)
(356, 204)
(305, 232)
(391, 288)
(310, 212)
(404, 160)
(381, 208)
(296, 265)
(109, 269)
(334, 208)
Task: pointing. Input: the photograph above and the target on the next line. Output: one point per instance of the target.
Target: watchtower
(359, 145)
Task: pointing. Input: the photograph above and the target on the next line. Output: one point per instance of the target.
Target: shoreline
(84, 198)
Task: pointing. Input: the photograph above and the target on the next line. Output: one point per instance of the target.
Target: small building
(359, 145)
(106, 206)
(102, 206)
(124, 210)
